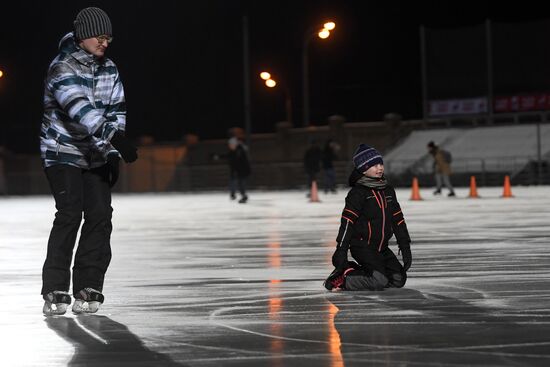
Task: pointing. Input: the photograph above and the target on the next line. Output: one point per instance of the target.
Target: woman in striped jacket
(371, 216)
(81, 140)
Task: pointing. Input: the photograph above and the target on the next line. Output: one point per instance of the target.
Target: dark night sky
(181, 62)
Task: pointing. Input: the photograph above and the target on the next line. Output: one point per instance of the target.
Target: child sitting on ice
(371, 216)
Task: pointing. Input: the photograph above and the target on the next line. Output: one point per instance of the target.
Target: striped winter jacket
(370, 218)
(83, 107)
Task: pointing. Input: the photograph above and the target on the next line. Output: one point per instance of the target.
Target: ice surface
(199, 280)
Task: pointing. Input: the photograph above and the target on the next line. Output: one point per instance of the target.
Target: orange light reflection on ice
(276, 345)
(274, 255)
(334, 339)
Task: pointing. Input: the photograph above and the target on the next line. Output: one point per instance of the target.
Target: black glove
(113, 168)
(406, 255)
(127, 150)
(340, 258)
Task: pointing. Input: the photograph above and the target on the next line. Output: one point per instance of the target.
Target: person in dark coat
(328, 157)
(3, 181)
(312, 162)
(239, 168)
(371, 216)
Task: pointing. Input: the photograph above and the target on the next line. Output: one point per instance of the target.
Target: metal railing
(171, 172)
(522, 169)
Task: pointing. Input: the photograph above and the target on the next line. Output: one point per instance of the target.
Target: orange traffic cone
(415, 190)
(507, 193)
(473, 188)
(314, 195)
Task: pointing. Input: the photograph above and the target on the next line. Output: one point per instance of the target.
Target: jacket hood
(68, 46)
(354, 177)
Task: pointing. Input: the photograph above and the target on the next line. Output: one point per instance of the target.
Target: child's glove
(340, 258)
(406, 255)
(127, 150)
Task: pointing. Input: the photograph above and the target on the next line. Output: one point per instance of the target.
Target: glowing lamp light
(329, 26)
(270, 83)
(324, 33)
(265, 75)
(1, 73)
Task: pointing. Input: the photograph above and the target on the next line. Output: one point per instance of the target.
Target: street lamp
(329, 26)
(323, 33)
(271, 83)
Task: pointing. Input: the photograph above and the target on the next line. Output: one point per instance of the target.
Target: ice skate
(56, 303)
(87, 300)
(337, 279)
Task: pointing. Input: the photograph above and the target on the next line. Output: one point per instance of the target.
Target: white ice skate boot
(87, 300)
(56, 303)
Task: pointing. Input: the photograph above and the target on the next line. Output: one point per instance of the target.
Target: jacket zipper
(57, 143)
(93, 85)
(368, 241)
(383, 222)
(381, 203)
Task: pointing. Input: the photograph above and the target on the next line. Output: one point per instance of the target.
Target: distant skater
(328, 157)
(239, 169)
(371, 216)
(312, 163)
(81, 140)
(442, 168)
(3, 181)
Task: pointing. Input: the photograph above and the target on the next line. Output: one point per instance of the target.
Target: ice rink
(199, 280)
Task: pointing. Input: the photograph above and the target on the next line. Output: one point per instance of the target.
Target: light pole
(324, 33)
(246, 82)
(272, 83)
(1, 75)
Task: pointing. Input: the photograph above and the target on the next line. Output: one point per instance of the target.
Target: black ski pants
(379, 270)
(76, 192)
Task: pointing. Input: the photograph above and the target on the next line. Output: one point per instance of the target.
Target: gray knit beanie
(92, 22)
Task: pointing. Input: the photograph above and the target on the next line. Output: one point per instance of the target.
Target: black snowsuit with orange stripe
(370, 218)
